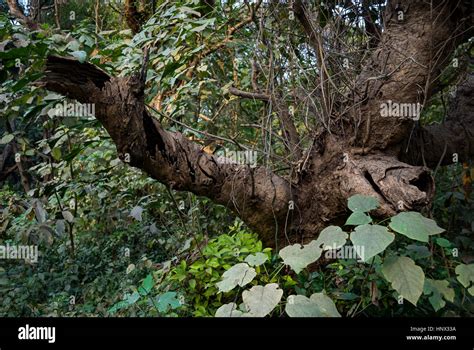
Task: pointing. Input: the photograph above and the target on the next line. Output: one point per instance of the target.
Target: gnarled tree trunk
(365, 152)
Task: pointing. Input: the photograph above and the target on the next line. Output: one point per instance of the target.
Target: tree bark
(365, 153)
(257, 195)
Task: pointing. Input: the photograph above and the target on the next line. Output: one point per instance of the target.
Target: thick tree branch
(451, 141)
(416, 45)
(257, 195)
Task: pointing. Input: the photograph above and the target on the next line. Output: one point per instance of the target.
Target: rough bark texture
(443, 143)
(403, 68)
(258, 196)
(416, 45)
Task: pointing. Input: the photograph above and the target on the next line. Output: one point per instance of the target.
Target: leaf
(147, 285)
(80, 55)
(362, 203)
(439, 289)
(418, 251)
(298, 257)
(60, 227)
(130, 268)
(332, 237)
(130, 299)
(405, 276)
(67, 215)
(358, 218)
(56, 153)
(229, 310)
(200, 28)
(371, 240)
(237, 275)
(256, 259)
(317, 305)
(166, 301)
(136, 213)
(260, 301)
(442, 242)
(7, 139)
(414, 226)
(40, 213)
(465, 274)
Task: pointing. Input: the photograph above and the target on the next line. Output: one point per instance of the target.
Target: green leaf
(130, 268)
(358, 218)
(166, 301)
(229, 310)
(414, 226)
(256, 259)
(7, 139)
(442, 242)
(362, 203)
(439, 289)
(136, 213)
(332, 237)
(56, 153)
(203, 26)
(418, 251)
(317, 305)
(80, 55)
(405, 276)
(67, 215)
(260, 300)
(147, 285)
(371, 240)
(298, 257)
(130, 299)
(237, 275)
(466, 276)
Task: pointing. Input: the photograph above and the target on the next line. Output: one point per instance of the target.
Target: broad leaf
(229, 310)
(362, 203)
(147, 285)
(298, 257)
(237, 275)
(136, 213)
(166, 301)
(466, 276)
(406, 277)
(260, 300)
(256, 259)
(318, 305)
(67, 215)
(7, 139)
(414, 226)
(332, 237)
(439, 289)
(371, 240)
(358, 218)
(80, 55)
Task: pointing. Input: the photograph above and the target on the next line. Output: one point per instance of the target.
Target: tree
(366, 139)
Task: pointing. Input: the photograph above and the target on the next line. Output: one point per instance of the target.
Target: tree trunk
(364, 152)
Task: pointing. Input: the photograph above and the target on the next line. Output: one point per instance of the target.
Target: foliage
(114, 242)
